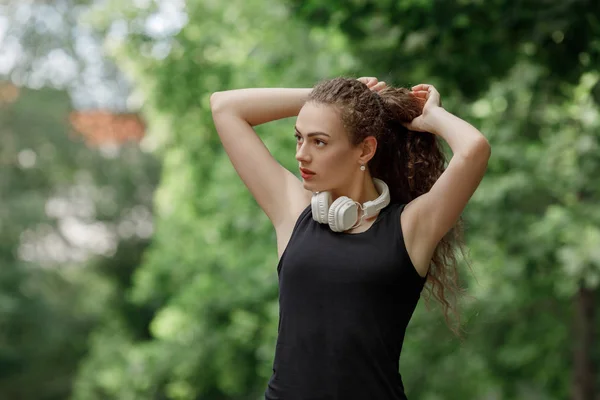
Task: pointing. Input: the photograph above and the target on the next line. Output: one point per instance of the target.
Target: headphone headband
(342, 214)
(371, 208)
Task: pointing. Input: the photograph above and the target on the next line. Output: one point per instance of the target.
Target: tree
(465, 45)
(63, 210)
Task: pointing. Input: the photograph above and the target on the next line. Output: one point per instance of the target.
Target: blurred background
(134, 264)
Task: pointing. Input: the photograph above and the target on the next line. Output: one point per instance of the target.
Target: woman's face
(323, 147)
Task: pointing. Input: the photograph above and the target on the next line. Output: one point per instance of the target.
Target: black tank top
(344, 303)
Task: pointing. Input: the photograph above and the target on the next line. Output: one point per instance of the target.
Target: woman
(373, 219)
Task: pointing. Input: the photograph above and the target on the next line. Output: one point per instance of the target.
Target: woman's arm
(430, 216)
(258, 106)
(277, 191)
(462, 137)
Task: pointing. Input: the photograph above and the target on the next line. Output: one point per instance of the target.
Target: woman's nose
(301, 154)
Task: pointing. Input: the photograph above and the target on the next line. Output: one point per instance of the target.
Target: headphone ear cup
(343, 214)
(320, 203)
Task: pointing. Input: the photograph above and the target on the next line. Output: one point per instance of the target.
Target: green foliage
(212, 262)
(192, 314)
(56, 288)
(535, 218)
(463, 45)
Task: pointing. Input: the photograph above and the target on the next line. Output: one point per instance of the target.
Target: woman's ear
(368, 148)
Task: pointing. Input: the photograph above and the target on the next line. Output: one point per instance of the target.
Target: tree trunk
(583, 374)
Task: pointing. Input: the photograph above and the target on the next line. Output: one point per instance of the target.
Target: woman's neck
(361, 190)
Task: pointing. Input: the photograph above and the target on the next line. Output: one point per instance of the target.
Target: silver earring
(362, 168)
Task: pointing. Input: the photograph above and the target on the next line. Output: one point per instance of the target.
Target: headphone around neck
(342, 214)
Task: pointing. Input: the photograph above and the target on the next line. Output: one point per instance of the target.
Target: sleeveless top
(344, 303)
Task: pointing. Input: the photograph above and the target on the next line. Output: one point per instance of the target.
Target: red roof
(101, 127)
(9, 93)
(96, 126)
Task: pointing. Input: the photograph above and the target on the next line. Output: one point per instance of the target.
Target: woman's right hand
(372, 83)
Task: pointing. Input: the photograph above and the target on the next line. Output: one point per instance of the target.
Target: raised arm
(277, 191)
(430, 216)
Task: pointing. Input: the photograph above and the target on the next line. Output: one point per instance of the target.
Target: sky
(67, 55)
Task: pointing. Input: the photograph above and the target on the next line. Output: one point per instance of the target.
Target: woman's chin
(310, 186)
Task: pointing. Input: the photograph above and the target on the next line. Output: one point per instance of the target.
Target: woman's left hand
(431, 99)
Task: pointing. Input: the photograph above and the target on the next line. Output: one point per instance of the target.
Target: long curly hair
(409, 162)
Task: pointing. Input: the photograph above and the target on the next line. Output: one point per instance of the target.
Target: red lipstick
(306, 173)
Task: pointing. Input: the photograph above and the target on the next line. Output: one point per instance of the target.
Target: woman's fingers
(421, 94)
(379, 86)
(370, 81)
(427, 92)
(421, 86)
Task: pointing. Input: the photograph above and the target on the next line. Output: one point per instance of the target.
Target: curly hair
(409, 162)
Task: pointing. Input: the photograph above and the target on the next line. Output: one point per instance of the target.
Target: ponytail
(413, 162)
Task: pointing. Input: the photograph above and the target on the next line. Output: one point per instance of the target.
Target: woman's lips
(306, 174)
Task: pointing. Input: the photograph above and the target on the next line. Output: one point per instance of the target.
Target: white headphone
(343, 213)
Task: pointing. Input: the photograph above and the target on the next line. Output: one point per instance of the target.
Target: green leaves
(532, 225)
(196, 315)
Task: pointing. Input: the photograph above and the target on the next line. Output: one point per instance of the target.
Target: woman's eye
(318, 142)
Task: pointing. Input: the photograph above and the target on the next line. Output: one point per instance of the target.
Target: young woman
(374, 217)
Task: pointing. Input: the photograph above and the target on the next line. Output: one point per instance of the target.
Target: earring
(362, 167)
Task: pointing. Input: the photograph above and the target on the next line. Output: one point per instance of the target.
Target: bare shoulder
(299, 200)
(420, 249)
